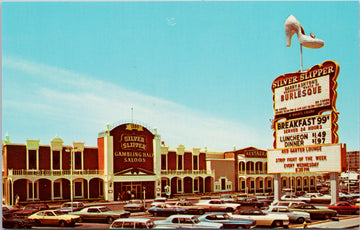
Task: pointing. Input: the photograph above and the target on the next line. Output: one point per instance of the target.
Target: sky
(199, 72)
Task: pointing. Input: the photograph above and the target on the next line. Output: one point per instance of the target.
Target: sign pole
(301, 58)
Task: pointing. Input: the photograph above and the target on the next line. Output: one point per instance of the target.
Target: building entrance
(129, 190)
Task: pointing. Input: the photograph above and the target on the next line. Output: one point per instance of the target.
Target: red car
(31, 209)
(344, 208)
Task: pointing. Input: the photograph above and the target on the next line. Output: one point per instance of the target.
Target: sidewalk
(346, 222)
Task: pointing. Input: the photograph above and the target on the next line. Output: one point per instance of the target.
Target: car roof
(279, 206)
(214, 213)
(133, 219)
(182, 215)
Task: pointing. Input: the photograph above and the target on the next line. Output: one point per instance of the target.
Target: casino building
(129, 158)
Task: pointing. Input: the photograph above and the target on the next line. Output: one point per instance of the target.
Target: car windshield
(58, 213)
(68, 205)
(227, 217)
(104, 209)
(195, 220)
(30, 208)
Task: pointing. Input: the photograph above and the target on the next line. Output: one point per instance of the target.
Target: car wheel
(327, 216)
(62, 223)
(277, 223)
(16, 226)
(342, 198)
(357, 212)
(81, 220)
(229, 209)
(37, 222)
(300, 220)
(201, 211)
(240, 227)
(109, 219)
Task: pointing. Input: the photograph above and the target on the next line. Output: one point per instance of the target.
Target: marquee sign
(307, 93)
(313, 130)
(133, 149)
(322, 158)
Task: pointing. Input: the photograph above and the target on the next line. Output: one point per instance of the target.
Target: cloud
(87, 104)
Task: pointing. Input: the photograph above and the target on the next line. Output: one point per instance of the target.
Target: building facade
(129, 158)
(249, 167)
(352, 159)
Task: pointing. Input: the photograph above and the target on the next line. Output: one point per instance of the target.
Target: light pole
(144, 191)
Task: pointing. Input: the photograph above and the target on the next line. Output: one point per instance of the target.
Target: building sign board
(321, 158)
(133, 149)
(312, 130)
(255, 153)
(307, 93)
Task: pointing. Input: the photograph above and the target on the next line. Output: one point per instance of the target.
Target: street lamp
(71, 150)
(144, 191)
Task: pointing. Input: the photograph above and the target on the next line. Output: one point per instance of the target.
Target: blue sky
(200, 72)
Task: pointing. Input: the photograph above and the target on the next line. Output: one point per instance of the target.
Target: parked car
(135, 206)
(315, 213)
(218, 206)
(157, 201)
(7, 209)
(31, 209)
(228, 198)
(11, 221)
(166, 210)
(185, 221)
(317, 197)
(227, 221)
(191, 207)
(205, 198)
(292, 197)
(289, 204)
(356, 202)
(266, 199)
(131, 223)
(344, 207)
(262, 218)
(100, 214)
(250, 201)
(294, 216)
(344, 196)
(54, 217)
(71, 207)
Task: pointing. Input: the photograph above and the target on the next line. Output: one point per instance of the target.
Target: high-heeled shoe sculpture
(292, 26)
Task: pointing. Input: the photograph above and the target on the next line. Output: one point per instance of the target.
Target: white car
(288, 204)
(158, 201)
(294, 216)
(185, 221)
(317, 197)
(217, 205)
(228, 198)
(129, 223)
(289, 197)
(262, 218)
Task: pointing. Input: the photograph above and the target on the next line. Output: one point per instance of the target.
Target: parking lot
(350, 221)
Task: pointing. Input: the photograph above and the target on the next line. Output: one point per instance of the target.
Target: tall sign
(305, 121)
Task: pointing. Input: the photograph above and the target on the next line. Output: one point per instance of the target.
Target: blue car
(227, 221)
(166, 210)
